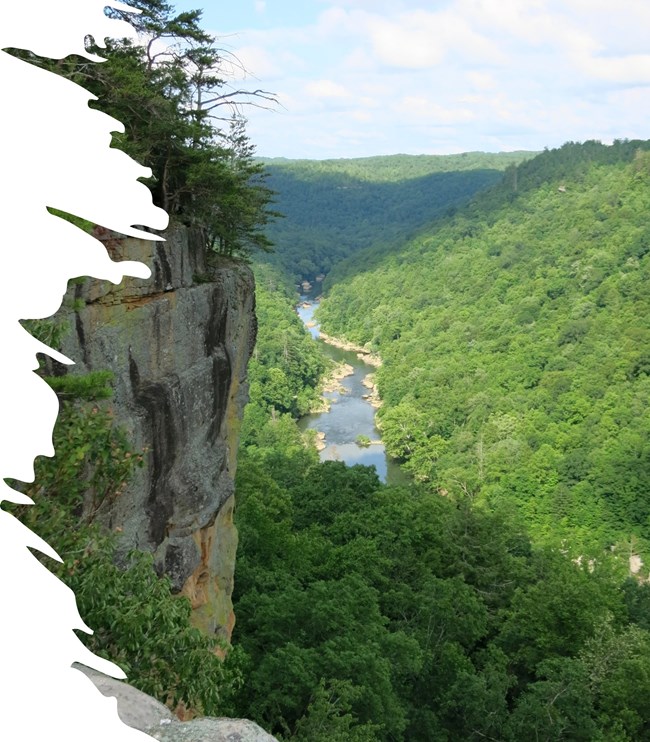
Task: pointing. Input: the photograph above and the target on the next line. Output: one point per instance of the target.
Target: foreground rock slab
(135, 708)
(141, 711)
(210, 730)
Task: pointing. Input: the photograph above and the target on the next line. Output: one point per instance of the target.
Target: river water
(350, 415)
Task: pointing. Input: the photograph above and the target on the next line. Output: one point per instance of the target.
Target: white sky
(363, 77)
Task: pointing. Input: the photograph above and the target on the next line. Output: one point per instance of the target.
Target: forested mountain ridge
(334, 208)
(393, 168)
(516, 348)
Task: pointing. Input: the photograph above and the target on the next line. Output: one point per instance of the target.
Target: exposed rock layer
(178, 344)
(138, 710)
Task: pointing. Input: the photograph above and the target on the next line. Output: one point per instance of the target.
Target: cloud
(481, 80)
(409, 76)
(260, 6)
(423, 108)
(326, 89)
(421, 39)
(629, 70)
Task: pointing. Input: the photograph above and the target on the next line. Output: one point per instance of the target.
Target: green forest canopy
(368, 613)
(333, 208)
(515, 343)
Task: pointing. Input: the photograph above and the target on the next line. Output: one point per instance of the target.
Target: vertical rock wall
(178, 344)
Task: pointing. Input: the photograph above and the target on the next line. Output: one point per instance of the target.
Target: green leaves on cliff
(136, 620)
(141, 626)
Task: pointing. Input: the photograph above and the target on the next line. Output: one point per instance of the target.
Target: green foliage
(92, 466)
(172, 104)
(93, 385)
(76, 220)
(141, 626)
(395, 168)
(514, 345)
(334, 208)
(328, 717)
(379, 613)
(287, 365)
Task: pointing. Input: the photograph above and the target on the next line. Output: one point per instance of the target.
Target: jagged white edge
(55, 152)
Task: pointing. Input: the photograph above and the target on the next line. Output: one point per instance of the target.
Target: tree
(236, 226)
(168, 89)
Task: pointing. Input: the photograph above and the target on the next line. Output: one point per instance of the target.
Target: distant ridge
(427, 163)
(334, 208)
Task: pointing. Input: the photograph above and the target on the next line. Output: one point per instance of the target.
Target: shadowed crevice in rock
(215, 336)
(81, 336)
(221, 381)
(163, 431)
(162, 270)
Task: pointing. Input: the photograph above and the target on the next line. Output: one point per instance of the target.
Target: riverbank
(373, 393)
(331, 383)
(363, 354)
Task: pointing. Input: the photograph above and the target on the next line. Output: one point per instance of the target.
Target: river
(350, 415)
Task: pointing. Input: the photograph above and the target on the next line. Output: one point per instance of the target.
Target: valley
(514, 394)
(479, 574)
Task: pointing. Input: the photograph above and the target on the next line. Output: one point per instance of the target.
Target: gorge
(340, 578)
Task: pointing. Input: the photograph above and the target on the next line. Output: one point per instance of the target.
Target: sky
(368, 77)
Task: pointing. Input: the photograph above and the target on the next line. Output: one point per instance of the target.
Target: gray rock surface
(211, 730)
(178, 345)
(141, 711)
(135, 708)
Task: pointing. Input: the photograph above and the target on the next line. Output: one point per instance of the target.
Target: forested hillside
(334, 208)
(368, 613)
(516, 346)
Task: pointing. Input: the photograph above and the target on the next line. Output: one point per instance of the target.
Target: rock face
(178, 344)
(138, 710)
(211, 730)
(135, 708)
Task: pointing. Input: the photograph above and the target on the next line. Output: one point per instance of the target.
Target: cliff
(178, 344)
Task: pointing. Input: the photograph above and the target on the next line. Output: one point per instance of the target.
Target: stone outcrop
(211, 730)
(135, 708)
(141, 711)
(178, 345)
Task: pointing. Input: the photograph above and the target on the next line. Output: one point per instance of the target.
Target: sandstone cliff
(178, 344)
